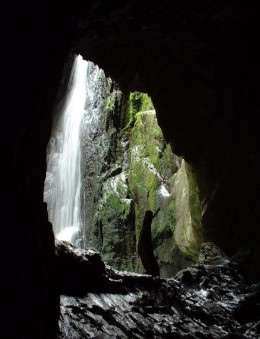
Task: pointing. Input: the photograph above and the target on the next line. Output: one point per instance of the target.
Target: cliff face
(153, 176)
(129, 169)
(107, 206)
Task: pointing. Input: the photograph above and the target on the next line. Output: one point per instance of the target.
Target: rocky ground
(209, 299)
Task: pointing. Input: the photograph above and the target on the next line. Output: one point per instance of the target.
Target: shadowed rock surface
(207, 300)
(145, 249)
(199, 61)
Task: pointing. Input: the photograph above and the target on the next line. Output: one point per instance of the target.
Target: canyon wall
(128, 169)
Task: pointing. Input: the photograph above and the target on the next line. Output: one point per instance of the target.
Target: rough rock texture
(207, 300)
(152, 173)
(128, 169)
(106, 202)
(145, 247)
(199, 62)
(35, 42)
(188, 228)
(77, 270)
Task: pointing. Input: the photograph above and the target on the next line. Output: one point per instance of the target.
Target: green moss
(195, 206)
(115, 214)
(188, 233)
(150, 182)
(136, 102)
(115, 192)
(140, 102)
(110, 102)
(148, 157)
(166, 220)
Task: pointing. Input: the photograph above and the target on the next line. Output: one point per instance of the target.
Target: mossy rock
(188, 232)
(152, 165)
(115, 214)
(137, 171)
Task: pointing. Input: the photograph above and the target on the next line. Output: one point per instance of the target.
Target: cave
(199, 64)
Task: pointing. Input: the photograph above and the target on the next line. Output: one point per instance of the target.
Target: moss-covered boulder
(188, 231)
(115, 222)
(130, 170)
(152, 168)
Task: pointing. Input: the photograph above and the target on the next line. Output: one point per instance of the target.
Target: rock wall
(199, 64)
(200, 58)
(188, 230)
(155, 185)
(107, 206)
(152, 175)
(36, 40)
(130, 169)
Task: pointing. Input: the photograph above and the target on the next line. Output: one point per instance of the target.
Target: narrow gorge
(108, 164)
(134, 206)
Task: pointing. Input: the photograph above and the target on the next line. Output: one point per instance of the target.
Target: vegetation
(144, 175)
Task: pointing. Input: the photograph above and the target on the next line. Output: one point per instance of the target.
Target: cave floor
(209, 299)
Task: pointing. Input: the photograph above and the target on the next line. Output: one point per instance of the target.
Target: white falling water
(62, 190)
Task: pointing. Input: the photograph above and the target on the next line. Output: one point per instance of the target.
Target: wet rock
(108, 206)
(203, 301)
(211, 254)
(145, 248)
(77, 270)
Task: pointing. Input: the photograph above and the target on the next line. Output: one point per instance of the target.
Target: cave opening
(108, 164)
(137, 204)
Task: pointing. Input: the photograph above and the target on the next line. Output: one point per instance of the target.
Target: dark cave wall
(35, 43)
(197, 60)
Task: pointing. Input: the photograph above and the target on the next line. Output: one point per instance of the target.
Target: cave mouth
(107, 165)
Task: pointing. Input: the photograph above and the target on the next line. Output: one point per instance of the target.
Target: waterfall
(62, 190)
